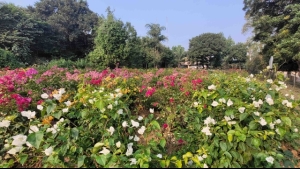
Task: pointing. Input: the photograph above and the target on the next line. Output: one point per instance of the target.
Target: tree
(154, 42)
(110, 41)
(73, 22)
(276, 24)
(237, 54)
(207, 48)
(179, 53)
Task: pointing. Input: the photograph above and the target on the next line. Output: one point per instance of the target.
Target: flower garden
(154, 118)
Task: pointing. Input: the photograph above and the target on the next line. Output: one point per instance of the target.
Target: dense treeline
(68, 31)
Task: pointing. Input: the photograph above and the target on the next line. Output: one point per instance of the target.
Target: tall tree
(156, 37)
(237, 54)
(207, 48)
(72, 20)
(276, 24)
(179, 53)
(110, 41)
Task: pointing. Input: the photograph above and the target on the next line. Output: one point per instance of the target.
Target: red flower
(180, 141)
(171, 100)
(165, 125)
(205, 106)
(150, 92)
(112, 76)
(40, 102)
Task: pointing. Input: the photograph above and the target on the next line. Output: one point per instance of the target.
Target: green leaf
(162, 142)
(23, 158)
(102, 159)
(223, 146)
(51, 108)
(80, 161)
(35, 139)
(178, 163)
(281, 131)
(286, 120)
(99, 104)
(242, 146)
(57, 115)
(243, 116)
(155, 124)
(236, 165)
(256, 142)
(229, 112)
(253, 125)
(162, 163)
(228, 155)
(74, 133)
(242, 137)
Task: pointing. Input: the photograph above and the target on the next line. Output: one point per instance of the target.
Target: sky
(183, 19)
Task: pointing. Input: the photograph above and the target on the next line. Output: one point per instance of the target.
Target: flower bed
(144, 118)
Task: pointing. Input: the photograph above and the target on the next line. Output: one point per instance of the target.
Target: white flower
(278, 121)
(289, 104)
(91, 101)
(133, 161)
(196, 104)
(248, 79)
(118, 144)
(270, 159)
(135, 124)
(205, 165)
(151, 110)
(295, 130)
(44, 96)
(292, 97)
(130, 137)
(142, 130)
(262, 121)
(110, 106)
(124, 124)
(284, 102)
(206, 131)
(256, 113)
(212, 87)
(65, 110)
(136, 138)
(251, 75)
(286, 95)
(200, 158)
(214, 103)
(222, 100)
(28, 144)
(120, 111)
(190, 162)
(241, 109)
(68, 103)
(19, 140)
(48, 151)
(4, 123)
(104, 151)
(57, 96)
(270, 81)
(15, 150)
(61, 91)
(231, 122)
(260, 101)
(229, 103)
(277, 131)
(29, 114)
(117, 90)
(129, 151)
(204, 156)
(33, 129)
(159, 155)
(272, 125)
(39, 107)
(270, 101)
(111, 130)
(209, 120)
(6, 145)
(140, 118)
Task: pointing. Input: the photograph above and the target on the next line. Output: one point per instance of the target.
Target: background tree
(72, 21)
(179, 53)
(275, 24)
(154, 42)
(110, 42)
(207, 48)
(237, 54)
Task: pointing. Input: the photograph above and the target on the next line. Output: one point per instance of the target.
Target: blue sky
(184, 19)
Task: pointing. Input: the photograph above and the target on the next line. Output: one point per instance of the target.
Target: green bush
(8, 59)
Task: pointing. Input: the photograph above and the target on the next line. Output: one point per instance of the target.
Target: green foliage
(237, 54)
(206, 48)
(110, 41)
(255, 65)
(179, 53)
(7, 59)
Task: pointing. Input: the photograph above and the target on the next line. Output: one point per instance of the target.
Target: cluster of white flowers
(241, 109)
(4, 123)
(272, 124)
(18, 141)
(129, 149)
(282, 85)
(29, 114)
(212, 87)
(120, 111)
(105, 151)
(270, 81)
(142, 130)
(270, 159)
(55, 128)
(48, 151)
(256, 113)
(58, 95)
(118, 94)
(215, 103)
(195, 104)
(201, 158)
(269, 100)
(257, 103)
(206, 129)
(262, 121)
(229, 119)
(111, 130)
(151, 110)
(287, 103)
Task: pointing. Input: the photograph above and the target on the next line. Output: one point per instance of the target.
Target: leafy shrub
(8, 59)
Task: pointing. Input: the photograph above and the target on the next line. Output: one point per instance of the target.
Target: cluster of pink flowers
(150, 92)
(22, 102)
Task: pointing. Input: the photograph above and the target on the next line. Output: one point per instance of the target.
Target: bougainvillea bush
(144, 118)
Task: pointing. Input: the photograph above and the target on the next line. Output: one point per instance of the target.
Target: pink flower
(150, 92)
(171, 100)
(165, 125)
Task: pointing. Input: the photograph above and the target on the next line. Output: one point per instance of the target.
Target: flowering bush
(137, 118)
